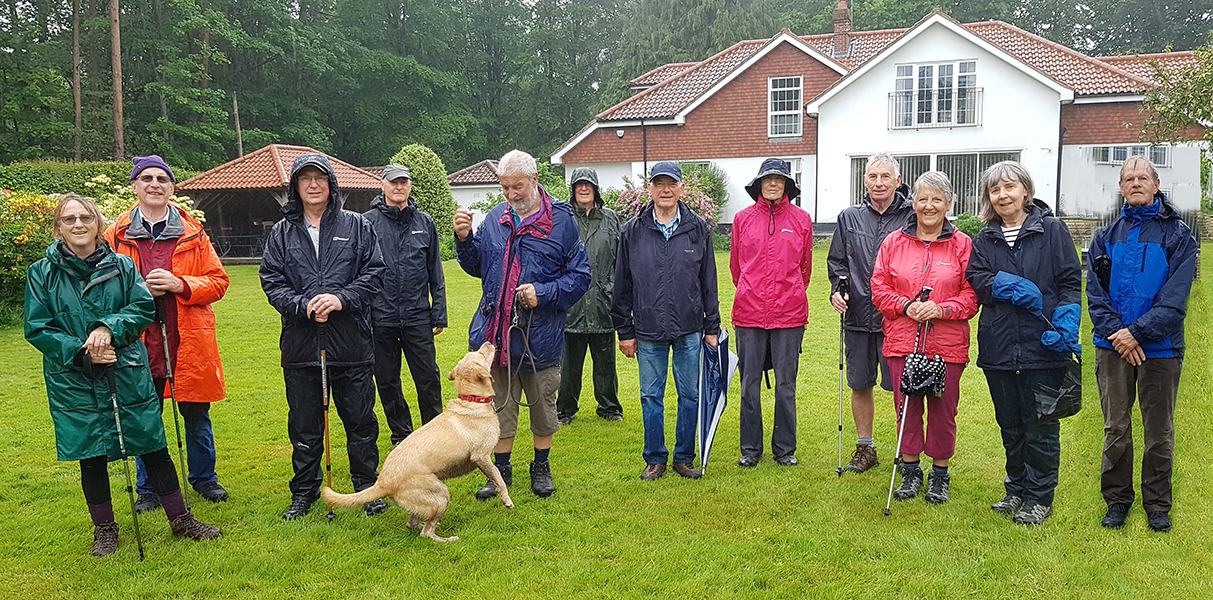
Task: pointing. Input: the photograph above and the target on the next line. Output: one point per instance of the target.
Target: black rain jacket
(857, 237)
(349, 267)
(409, 244)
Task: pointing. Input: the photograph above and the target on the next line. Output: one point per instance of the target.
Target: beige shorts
(540, 389)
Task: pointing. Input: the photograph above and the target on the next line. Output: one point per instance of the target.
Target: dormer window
(935, 95)
(784, 106)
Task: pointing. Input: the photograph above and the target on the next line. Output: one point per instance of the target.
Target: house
(242, 198)
(939, 95)
(472, 185)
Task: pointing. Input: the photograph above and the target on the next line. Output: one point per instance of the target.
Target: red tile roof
(675, 86)
(1142, 66)
(270, 167)
(481, 173)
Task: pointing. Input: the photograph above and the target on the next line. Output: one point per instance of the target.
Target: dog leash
(520, 314)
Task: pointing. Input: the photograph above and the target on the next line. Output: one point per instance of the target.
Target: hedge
(51, 177)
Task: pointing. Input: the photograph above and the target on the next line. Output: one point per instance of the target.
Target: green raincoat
(65, 300)
(600, 230)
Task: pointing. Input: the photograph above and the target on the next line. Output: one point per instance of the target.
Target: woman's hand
(99, 346)
(924, 311)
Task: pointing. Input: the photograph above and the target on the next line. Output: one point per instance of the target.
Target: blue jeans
(199, 447)
(653, 358)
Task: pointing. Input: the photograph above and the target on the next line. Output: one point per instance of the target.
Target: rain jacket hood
(294, 204)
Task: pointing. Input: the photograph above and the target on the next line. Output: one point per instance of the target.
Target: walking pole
(922, 297)
(842, 318)
(324, 390)
(172, 392)
(126, 463)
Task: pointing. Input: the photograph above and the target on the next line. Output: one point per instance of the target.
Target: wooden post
(116, 62)
(239, 135)
(76, 73)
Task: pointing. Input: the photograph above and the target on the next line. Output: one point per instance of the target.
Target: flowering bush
(116, 198)
(628, 201)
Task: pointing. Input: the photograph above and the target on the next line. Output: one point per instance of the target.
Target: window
(935, 95)
(963, 170)
(797, 168)
(1117, 155)
(784, 106)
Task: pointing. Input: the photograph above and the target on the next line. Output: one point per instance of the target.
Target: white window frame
(1117, 154)
(796, 111)
(797, 165)
(909, 78)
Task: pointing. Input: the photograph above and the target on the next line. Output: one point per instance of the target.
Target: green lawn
(768, 532)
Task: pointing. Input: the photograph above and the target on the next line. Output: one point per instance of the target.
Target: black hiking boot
(212, 492)
(374, 507)
(911, 483)
(541, 479)
(1009, 505)
(105, 539)
(489, 490)
(937, 488)
(1160, 521)
(300, 504)
(1117, 513)
(187, 526)
(147, 502)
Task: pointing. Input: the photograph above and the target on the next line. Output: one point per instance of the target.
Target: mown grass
(770, 532)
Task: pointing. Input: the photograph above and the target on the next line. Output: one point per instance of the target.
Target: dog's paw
(507, 502)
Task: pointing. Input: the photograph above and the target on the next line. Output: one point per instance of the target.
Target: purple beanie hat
(144, 162)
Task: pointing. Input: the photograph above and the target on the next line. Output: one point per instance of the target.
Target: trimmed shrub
(50, 177)
(968, 223)
(26, 224)
(430, 185)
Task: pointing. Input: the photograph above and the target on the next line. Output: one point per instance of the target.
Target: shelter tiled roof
(481, 173)
(671, 88)
(1142, 65)
(270, 167)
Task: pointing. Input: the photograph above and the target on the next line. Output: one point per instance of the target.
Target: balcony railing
(931, 109)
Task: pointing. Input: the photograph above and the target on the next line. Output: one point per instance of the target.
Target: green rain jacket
(65, 300)
(600, 230)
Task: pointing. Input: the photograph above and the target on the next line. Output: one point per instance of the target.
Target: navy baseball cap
(666, 168)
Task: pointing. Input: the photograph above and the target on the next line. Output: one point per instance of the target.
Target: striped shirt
(1011, 234)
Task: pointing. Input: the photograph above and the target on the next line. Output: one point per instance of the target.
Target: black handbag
(924, 375)
(1058, 403)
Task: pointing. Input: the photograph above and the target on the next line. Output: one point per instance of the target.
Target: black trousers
(353, 394)
(1033, 447)
(752, 346)
(417, 344)
(94, 476)
(606, 380)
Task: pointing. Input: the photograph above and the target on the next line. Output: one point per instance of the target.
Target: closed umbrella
(717, 366)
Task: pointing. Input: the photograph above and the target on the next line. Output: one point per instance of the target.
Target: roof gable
(481, 173)
(270, 168)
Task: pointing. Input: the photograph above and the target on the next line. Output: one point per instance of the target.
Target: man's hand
(527, 296)
(320, 307)
(1127, 346)
(161, 282)
(711, 340)
(628, 348)
(840, 301)
(99, 346)
(437, 330)
(463, 223)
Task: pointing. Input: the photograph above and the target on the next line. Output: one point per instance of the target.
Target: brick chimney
(842, 29)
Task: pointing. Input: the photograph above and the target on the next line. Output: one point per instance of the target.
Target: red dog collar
(477, 399)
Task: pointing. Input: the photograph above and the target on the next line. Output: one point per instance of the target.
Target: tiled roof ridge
(650, 72)
(489, 163)
(664, 83)
(1139, 55)
(1066, 50)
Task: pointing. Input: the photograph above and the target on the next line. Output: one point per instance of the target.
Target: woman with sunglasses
(85, 308)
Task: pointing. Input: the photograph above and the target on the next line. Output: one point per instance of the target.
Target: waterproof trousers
(784, 347)
(417, 345)
(606, 381)
(1033, 447)
(353, 395)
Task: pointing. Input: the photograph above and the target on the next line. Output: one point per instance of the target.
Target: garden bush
(968, 223)
(628, 201)
(430, 185)
(713, 181)
(51, 177)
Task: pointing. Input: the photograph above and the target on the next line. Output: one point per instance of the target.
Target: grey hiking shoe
(374, 507)
(937, 488)
(1033, 515)
(489, 490)
(1009, 505)
(187, 526)
(105, 539)
(147, 502)
(911, 483)
(863, 459)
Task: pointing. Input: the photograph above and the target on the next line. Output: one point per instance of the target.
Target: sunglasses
(73, 219)
(156, 178)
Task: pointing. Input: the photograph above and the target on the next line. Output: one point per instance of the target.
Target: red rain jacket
(771, 260)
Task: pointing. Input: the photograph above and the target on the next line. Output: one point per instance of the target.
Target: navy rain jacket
(408, 241)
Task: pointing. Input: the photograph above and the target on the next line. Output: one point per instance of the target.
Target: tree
(1182, 104)
(116, 66)
(430, 185)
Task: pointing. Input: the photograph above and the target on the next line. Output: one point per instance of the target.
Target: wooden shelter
(242, 198)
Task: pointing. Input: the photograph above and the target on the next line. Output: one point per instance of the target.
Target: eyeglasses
(157, 178)
(316, 179)
(70, 220)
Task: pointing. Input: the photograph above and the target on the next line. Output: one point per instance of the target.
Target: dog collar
(477, 399)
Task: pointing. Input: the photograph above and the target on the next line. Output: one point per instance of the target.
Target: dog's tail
(352, 500)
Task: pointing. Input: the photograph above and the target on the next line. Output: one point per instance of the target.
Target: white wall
(1090, 189)
(738, 170)
(1020, 114)
(467, 195)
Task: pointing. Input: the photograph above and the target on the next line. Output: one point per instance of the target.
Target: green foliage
(711, 180)
(1177, 108)
(430, 185)
(552, 179)
(26, 223)
(721, 241)
(490, 201)
(446, 248)
(55, 177)
(968, 223)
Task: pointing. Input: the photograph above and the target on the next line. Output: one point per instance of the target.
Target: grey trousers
(1155, 383)
(785, 358)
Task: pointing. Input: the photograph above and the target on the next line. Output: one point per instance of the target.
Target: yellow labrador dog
(454, 443)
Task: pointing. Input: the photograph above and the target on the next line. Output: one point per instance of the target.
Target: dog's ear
(451, 375)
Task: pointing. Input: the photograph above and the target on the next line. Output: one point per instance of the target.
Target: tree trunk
(116, 62)
(76, 73)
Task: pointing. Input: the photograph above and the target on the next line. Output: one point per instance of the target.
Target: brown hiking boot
(105, 539)
(687, 470)
(863, 459)
(187, 526)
